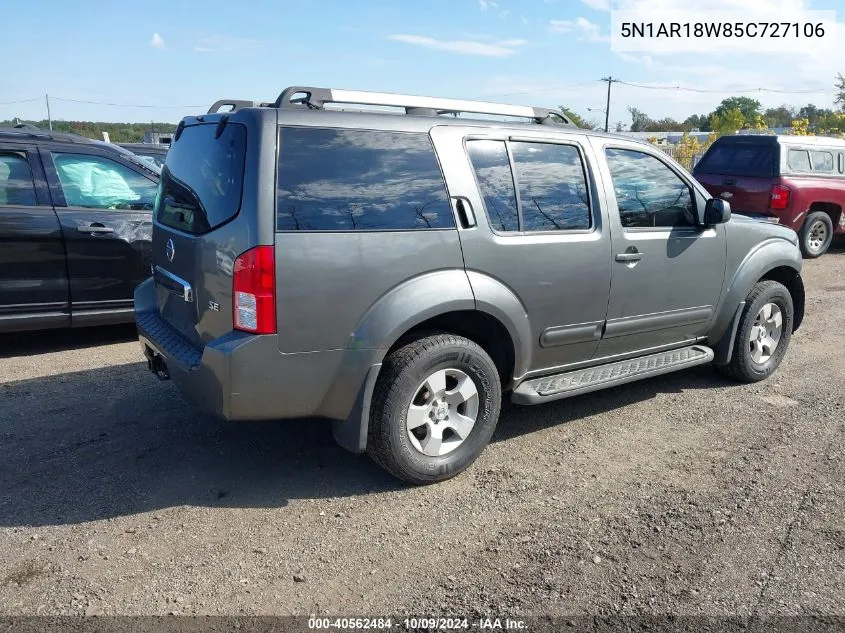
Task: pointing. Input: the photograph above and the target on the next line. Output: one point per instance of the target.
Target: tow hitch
(156, 364)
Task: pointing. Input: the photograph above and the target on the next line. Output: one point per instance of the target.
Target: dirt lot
(682, 494)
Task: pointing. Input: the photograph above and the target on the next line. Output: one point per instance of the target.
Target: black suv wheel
(435, 406)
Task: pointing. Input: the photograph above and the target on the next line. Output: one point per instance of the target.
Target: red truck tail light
(254, 291)
(779, 197)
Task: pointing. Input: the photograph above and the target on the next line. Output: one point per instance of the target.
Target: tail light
(780, 197)
(254, 291)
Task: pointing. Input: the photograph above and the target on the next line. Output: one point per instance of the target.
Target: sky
(181, 56)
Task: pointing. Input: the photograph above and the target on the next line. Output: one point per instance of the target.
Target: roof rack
(306, 97)
(236, 104)
(317, 98)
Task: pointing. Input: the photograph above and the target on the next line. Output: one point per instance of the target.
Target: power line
(539, 90)
(127, 105)
(20, 101)
(725, 91)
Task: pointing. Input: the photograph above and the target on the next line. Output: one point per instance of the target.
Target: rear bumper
(242, 376)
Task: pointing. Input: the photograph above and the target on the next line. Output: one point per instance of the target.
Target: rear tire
(435, 407)
(816, 234)
(763, 334)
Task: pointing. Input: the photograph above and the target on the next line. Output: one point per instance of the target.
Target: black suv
(75, 229)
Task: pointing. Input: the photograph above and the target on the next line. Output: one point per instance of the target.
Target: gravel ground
(685, 494)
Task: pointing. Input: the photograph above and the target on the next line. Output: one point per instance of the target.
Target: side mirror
(716, 211)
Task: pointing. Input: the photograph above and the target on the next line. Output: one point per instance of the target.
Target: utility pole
(49, 118)
(609, 80)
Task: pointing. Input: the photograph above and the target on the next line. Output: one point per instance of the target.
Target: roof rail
(236, 104)
(316, 98)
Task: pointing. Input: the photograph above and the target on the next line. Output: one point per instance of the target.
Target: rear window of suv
(740, 159)
(359, 180)
(202, 180)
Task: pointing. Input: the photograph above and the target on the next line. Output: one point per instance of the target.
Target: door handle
(466, 215)
(94, 227)
(629, 257)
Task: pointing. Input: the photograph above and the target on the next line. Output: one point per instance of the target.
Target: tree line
(736, 113)
(118, 132)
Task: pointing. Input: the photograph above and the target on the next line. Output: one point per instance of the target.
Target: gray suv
(398, 273)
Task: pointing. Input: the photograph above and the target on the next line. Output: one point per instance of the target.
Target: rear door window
(202, 179)
(745, 159)
(552, 187)
(799, 160)
(359, 180)
(16, 186)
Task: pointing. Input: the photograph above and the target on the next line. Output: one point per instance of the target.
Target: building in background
(158, 138)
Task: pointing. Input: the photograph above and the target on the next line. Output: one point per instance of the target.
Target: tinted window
(648, 193)
(16, 187)
(493, 171)
(552, 187)
(358, 180)
(202, 178)
(95, 182)
(822, 161)
(799, 160)
(737, 159)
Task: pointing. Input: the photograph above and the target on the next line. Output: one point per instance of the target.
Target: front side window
(822, 161)
(16, 186)
(648, 192)
(495, 180)
(359, 180)
(552, 187)
(799, 160)
(95, 182)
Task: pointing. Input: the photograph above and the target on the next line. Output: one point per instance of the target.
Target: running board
(572, 383)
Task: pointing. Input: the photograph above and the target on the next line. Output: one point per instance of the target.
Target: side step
(572, 383)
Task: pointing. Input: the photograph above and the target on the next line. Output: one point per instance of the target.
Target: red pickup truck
(797, 181)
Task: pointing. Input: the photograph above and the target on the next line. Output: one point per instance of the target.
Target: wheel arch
(773, 259)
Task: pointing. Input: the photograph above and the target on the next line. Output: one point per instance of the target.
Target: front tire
(763, 334)
(434, 409)
(816, 234)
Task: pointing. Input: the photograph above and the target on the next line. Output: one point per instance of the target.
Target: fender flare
(765, 257)
(406, 306)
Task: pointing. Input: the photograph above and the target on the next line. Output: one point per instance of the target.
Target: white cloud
(157, 41)
(487, 4)
(504, 48)
(598, 5)
(587, 30)
(226, 44)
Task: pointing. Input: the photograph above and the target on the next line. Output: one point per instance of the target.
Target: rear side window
(202, 179)
(16, 187)
(799, 160)
(359, 180)
(745, 159)
(493, 172)
(822, 161)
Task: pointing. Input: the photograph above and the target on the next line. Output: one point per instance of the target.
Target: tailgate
(200, 192)
(745, 194)
(742, 171)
